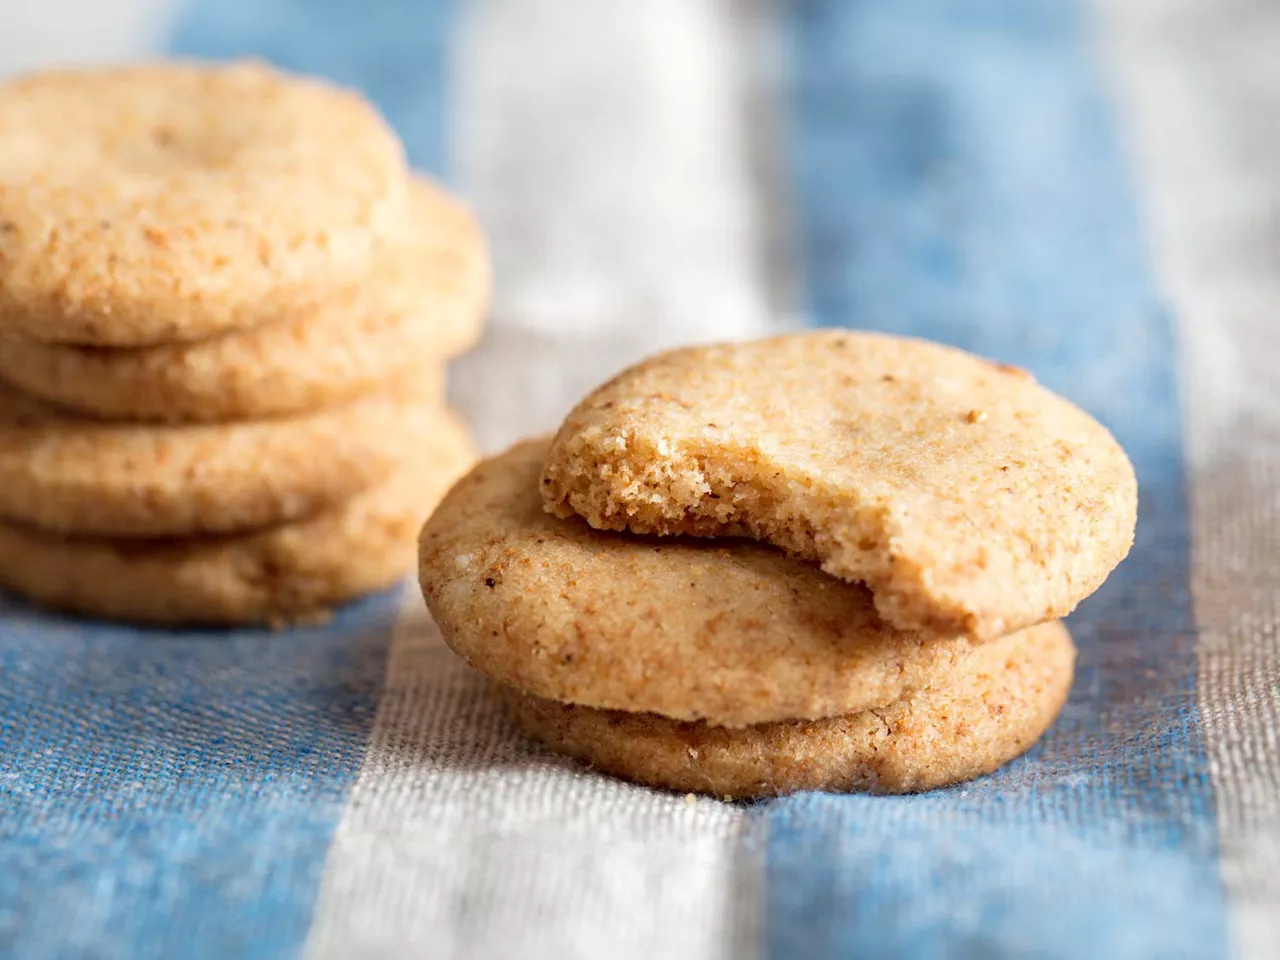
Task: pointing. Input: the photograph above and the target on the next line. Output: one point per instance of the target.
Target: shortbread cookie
(969, 498)
(69, 474)
(284, 572)
(727, 631)
(423, 302)
(148, 204)
(992, 709)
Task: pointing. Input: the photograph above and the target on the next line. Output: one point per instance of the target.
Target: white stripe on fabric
(605, 148)
(1203, 82)
(463, 839)
(51, 32)
(609, 150)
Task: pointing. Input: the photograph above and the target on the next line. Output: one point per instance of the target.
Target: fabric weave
(1088, 190)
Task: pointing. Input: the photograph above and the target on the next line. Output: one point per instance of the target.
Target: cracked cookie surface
(731, 632)
(969, 498)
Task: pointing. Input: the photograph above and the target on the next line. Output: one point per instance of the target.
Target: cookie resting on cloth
(994, 706)
(148, 204)
(966, 496)
(422, 303)
(280, 573)
(728, 631)
(67, 473)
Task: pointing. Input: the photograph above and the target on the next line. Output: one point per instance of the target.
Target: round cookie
(281, 573)
(148, 204)
(966, 496)
(730, 632)
(992, 710)
(424, 301)
(69, 474)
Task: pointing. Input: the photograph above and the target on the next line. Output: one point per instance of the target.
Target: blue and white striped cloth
(1088, 190)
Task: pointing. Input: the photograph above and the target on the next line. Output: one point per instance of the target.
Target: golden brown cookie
(148, 204)
(69, 474)
(281, 573)
(728, 631)
(969, 498)
(992, 709)
(422, 303)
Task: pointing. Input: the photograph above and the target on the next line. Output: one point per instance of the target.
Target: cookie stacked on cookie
(828, 561)
(226, 307)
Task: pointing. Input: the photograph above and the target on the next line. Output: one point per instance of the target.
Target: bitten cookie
(423, 302)
(70, 474)
(966, 496)
(149, 204)
(730, 631)
(280, 573)
(993, 707)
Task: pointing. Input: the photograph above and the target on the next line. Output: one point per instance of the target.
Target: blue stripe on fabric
(174, 794)
(958, 176)
(394, 50)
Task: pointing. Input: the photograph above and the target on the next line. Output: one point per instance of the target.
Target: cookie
(423, 302)
(281, 573)
(731, 632)
(966, 496)
(147, 204)
(69, 474)
(994, 707)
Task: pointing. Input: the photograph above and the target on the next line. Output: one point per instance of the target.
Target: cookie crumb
(975, 416)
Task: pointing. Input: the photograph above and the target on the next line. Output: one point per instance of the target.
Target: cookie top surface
(283, 572)
(728, 631)
(423, 301)
(969, 498)
(174, 201)
(72, 474)
(995, 706)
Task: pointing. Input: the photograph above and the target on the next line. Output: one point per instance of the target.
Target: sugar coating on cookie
(968, 497)
(174, 201)
(67, 473)
(728, 631)
(991, 710)
(280, 573)
(422, 303)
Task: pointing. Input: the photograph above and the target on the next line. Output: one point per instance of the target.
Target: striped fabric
(1087, 190)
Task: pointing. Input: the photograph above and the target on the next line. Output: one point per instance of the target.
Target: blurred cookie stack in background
(226, 307)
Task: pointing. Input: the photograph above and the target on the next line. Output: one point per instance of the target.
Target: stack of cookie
(839, 563)
(225, 312)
